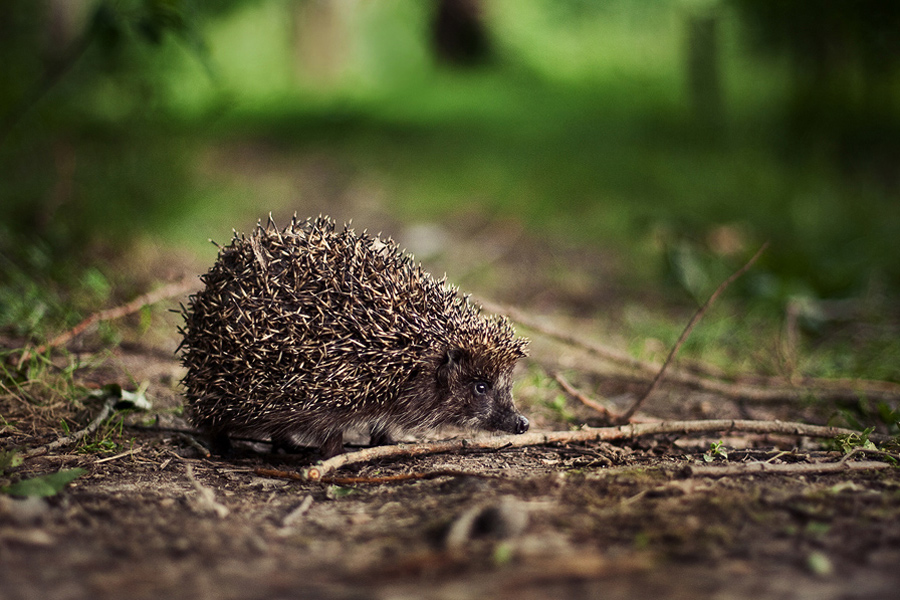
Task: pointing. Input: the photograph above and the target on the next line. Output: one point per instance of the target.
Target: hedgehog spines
(309, 329)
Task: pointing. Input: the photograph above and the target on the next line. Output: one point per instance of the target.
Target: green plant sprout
(715, 451)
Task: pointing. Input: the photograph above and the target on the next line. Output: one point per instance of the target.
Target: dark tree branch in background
(182, 286)
(93, 426)
(52, 76)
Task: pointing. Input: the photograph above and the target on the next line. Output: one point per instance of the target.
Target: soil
(155, 518)
(574, 522)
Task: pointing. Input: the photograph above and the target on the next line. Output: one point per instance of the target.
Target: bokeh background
(667, 139)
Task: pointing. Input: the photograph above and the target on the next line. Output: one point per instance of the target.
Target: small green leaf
(8, 460)
(337, 491)
(851, 441)
(716, 450)
(817, 528)
(819, 563)
(690, 269)
(44, 485)
(503, 554)
(846, 486)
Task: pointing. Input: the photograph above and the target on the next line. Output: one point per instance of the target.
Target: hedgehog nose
(521, 424)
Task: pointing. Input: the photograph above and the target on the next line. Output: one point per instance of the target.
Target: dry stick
(605, 412)
(598, 434)
(51, 78)
(294, 516)
(167, 291)
(71, 439)
(874, 451)
(206, 497)
(131, 453)
(377, 480)
(768, 389)
(587, 401)
(606, 352)
(687, 331)
(754, 468)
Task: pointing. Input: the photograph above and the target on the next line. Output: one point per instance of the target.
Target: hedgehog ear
(449, 363)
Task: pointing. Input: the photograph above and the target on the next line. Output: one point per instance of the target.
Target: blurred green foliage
(844, 59)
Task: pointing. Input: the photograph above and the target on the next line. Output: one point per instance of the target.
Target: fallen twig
(607, 414)
(51, 77)
(533, 323)
(598, 434)
(206, 498)
(587, 401)
(753, 468)
(754, 388)
(71, 439)
(176, 288)
(294, 516)
(687, 331)
(191, 441)
(130, 452)
(376, 480)
(875, 451)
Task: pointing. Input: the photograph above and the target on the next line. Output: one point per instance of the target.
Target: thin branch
(190, 440)
(687, 331)
(605, 352)
(753, 388)
(376, 480)
(51, 78)
(754, 468)
(206, 497)
(874, 451)
(176, 288)
(607, 413)
(584, 399)
(599, 434)
(130, 452)
(294, 516)
(71, 439)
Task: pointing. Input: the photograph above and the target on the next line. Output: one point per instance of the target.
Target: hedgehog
(304, 333)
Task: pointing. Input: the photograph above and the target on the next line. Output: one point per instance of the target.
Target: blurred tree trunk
(321, 40)
(703, 75)
(845, 85)
(66, 20)
(459, 33)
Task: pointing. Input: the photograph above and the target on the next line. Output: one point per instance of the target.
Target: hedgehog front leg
(332, 445)
(381, 436)
(287, 444)
(220, 443)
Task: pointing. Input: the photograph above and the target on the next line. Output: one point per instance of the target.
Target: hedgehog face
(481, 399)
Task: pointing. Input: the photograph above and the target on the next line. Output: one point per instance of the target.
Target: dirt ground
(154, 518)
(580, 521)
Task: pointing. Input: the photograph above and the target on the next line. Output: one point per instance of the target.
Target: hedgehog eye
(481, 388)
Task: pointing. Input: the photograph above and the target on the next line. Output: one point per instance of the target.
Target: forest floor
(153, 517)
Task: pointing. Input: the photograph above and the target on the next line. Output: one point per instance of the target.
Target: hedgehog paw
(379, 436)
(333, 445)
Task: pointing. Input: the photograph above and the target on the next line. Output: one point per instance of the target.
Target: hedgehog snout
(521, 425)
(512, 422)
